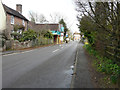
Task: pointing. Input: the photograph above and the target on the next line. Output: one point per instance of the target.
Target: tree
(64, 25)
(106, 18)
(56, 17)
(86, 27)
(42, 18)
(36, 17)
(32, 16)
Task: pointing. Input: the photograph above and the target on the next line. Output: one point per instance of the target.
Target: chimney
(19, 8)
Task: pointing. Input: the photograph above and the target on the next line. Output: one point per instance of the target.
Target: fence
(15, 44)
(42, 41)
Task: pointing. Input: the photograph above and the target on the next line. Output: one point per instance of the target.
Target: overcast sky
(64, 7)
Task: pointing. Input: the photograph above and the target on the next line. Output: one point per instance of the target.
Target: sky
(66, 8)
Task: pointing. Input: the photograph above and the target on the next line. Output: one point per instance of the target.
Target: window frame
(23, 22)
(12, 19)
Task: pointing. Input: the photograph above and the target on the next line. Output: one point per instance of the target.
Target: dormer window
(12, 19)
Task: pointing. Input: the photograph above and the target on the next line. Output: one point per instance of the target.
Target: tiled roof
(52, 27)
(40, 27)
(13, 12)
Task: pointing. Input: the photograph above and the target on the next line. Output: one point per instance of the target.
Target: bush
(105, 65)
(28, 35)
(48, 35)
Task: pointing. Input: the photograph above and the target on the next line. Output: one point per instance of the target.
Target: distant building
(76, 36)
(14, 17)
(54, 28)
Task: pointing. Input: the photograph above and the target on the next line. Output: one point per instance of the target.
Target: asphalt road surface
(47, 67)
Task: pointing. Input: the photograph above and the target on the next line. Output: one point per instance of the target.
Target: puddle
(68, 76)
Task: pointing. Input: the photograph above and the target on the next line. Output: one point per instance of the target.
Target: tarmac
(81, 76)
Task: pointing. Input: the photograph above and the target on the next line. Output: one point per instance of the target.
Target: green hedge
(105, 65)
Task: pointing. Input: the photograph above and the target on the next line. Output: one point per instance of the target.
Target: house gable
(14, 12)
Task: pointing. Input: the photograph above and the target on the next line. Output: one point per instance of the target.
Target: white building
(2, 18)
(77, 36)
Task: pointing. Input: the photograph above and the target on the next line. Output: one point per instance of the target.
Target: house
(2, 18)
(54, 28)
(14, 18)
(2, 24)
(77, 36)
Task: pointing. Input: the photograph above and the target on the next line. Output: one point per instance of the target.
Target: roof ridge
(14, 12)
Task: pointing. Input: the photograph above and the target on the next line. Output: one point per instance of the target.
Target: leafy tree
(64, 25)
(105, 17)
(86, 27)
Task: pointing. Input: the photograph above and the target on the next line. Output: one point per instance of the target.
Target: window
(12, 19)
(23, 23)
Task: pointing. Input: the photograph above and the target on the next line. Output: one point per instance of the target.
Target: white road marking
(10, 54)
(27, 51)
(17, 53)
(56, 50)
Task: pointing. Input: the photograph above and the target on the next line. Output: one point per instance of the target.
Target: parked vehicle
(67, 40)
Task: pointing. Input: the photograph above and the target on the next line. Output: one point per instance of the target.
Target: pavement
(81, 77)
(9, 52)
(48, 67)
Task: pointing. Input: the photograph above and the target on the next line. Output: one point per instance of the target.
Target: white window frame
(12, 19)
(23, 22)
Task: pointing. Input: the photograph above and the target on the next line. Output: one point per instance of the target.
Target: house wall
(77, 37)
(2, 18)
(11, 26)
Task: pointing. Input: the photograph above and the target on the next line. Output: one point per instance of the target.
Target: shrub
(28, 35)
(48, 35)
(105, 65)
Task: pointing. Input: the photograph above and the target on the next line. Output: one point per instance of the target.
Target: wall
(15, 44)
(77, 37)
(2, 18)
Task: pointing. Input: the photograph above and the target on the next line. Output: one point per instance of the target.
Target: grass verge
(105, 66)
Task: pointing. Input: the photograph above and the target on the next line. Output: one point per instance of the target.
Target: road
(47, 67)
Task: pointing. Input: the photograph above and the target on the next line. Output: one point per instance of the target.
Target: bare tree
(42, 18)
(56, 17)
(36, 17)
(32, 16)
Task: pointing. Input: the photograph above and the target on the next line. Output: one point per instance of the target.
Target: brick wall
(11, 26)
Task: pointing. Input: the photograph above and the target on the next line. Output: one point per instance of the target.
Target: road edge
(74, 71)
(20, 51)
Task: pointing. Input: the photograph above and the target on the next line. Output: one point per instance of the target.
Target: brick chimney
(19, 8)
